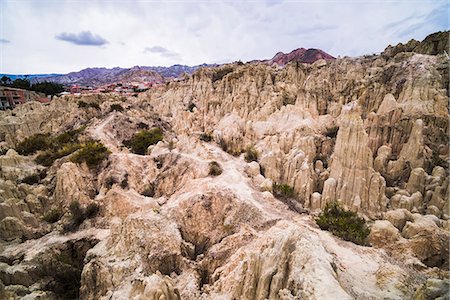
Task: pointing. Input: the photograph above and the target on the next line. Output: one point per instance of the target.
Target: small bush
(191, 107)
(220, 73)
(79, 214)
(223, 145)
(142, 125)
(124, 182)
(283, 191)
(344, 224)
(140, 141)
(332, 132)
(110, 181)
(3, 150)
(47, 158)
(70, 136)
(34, 143)
(251, 154)
(92, 210)
(31, 179)
(288, 99)
(205, 137)
(92, 153)
(149, 190)
(52, 216)
(116, 107)
(82, 104)
(215, 169)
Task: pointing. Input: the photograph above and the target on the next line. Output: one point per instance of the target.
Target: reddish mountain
(301, 55)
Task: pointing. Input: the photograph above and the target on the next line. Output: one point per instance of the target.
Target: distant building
(11, 97)
(74, 89)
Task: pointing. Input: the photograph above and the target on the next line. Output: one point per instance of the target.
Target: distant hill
(31, 76)
(100, 76)
(301, 55)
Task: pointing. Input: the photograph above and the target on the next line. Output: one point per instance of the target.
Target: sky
(61, 36)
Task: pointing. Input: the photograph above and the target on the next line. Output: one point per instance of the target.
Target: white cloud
(201, 32)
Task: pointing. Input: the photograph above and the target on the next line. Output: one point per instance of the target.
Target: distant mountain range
(102, 76)
(29, 76)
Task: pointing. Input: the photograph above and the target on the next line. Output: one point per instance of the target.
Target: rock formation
(224, 206)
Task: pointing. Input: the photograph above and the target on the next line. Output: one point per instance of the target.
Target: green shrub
(251, 154)
(82, 104)
(78, 214)
(215, 169)
(52, 216)
(110, 181)
(92, 153)
(3, 150)
(332, 132)
(140, 141)
(149, 191)
(34, 143)
(344, 224)
(70, 136)
(116, 107)
(48, 157)
(205, 137)
(288, 99)
(31, 179)
(124, 182)
(142, 125)
(91, 210)
(283, 191)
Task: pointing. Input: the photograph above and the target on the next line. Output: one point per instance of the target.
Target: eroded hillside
(88, 212)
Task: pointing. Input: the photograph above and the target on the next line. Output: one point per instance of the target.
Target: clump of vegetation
(288, 99)
(49, 88)
(332, 132)
(149, 191)
(142, 125)
(140, 141)
(110, 181)
(78, 214)
(92, 153)
(215, 169)
(70, 136)
(3, 150)
(116, 107)
(251, 154)
(31, 179)
(52, 216)
(283, 191)
(191, 107)
(233, 151)
(205, 137)
(53, 147)
(221, 73)
(82, 104)
(48, 157)
(124, 182)
(34, 143)
(343, 223)
(91, 210)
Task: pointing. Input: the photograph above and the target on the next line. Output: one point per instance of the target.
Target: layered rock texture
(196, 216)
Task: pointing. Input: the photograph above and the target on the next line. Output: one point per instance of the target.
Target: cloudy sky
(58, 36)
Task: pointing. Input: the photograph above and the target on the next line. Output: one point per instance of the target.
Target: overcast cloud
(84, 38)
(63, 36)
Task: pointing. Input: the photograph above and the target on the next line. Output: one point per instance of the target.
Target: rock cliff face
(201, 215)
